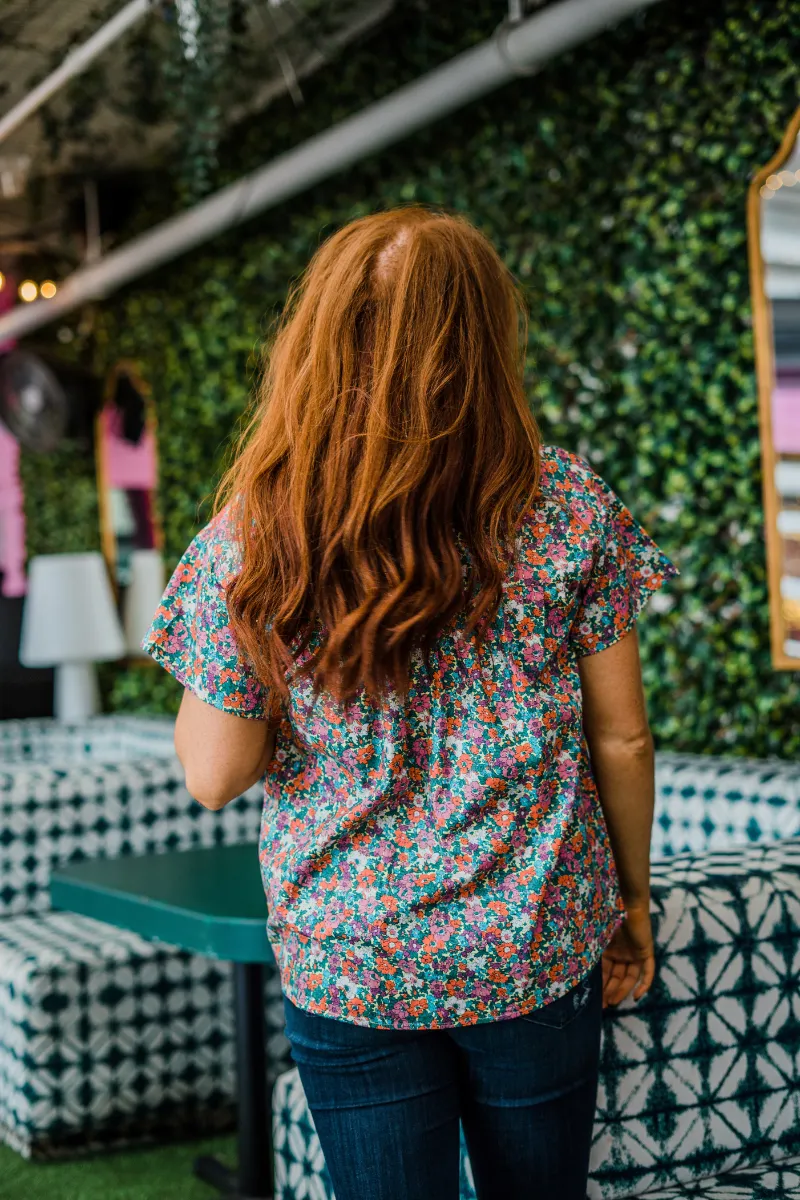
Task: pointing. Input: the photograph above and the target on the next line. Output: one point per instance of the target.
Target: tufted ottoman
(106, 1037)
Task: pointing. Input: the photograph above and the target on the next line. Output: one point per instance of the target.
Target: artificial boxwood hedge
(614, 184)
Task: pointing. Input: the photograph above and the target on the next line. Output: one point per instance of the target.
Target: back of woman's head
(391, 429)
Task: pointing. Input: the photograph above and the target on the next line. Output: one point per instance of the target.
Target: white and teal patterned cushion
(107, 739)
(107, 787)
(300, 1172)
(704, 1076)
(704, 802)
(700, 1083)
(769, 1181)
(107, 1038)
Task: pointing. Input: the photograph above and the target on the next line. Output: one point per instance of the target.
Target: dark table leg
(255, 1117)
(253, 1179)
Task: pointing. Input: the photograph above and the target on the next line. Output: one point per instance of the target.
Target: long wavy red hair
(390, 433)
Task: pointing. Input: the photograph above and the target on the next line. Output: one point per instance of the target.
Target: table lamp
(142, 597)
(70, 622)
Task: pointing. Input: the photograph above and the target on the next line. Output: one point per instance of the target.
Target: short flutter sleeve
(191, 636)
(627, 568)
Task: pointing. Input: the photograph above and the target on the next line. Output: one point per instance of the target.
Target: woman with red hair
(419, 624)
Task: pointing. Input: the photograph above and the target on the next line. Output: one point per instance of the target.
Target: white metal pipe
(74, 64)
(518, 49)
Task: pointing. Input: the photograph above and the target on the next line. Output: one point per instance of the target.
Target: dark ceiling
(128, 112)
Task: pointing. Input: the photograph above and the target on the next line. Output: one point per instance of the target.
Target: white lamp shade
(69, 614)
(142, 596)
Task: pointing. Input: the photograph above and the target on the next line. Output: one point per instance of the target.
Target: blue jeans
(386, 1103)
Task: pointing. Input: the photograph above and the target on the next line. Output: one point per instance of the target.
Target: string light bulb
(28, 290)
(2, 281)
(48, 289)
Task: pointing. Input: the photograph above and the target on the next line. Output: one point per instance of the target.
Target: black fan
(33, 404)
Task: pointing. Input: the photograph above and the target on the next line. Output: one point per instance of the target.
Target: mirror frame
(765, 376)
(108, 542)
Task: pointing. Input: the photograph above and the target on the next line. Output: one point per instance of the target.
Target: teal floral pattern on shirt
(443, 860)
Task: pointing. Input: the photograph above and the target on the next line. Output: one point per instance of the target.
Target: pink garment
(12, 517)
(129, 465)
(786, 414)
(12, 512)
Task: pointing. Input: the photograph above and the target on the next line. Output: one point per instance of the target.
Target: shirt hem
(295, 954)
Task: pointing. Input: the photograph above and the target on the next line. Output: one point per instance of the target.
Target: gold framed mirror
(127, 480)
(127, 470)
(773, 226)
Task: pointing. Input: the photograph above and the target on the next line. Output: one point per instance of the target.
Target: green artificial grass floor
(160, 1173)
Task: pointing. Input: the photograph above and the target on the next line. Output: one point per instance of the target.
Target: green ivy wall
(614, 184)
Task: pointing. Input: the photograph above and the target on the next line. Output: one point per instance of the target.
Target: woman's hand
(629, 960)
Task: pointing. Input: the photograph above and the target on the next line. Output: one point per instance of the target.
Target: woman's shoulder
(568, 481)
(216, 549)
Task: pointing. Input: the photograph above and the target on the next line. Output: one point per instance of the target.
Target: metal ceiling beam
(74, 64)
(518, 49)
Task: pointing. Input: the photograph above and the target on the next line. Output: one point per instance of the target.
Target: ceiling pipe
(519, 49)
(74, 64)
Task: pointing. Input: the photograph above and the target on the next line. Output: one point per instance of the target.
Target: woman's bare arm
(621, 750)
(222, 754)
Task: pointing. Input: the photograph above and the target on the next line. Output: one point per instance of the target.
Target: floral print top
(443, 860)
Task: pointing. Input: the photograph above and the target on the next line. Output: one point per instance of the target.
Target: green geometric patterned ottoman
(708, 803)
(771, 1181)
(703, 1076)
(700, 1082)
(107, 1038)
